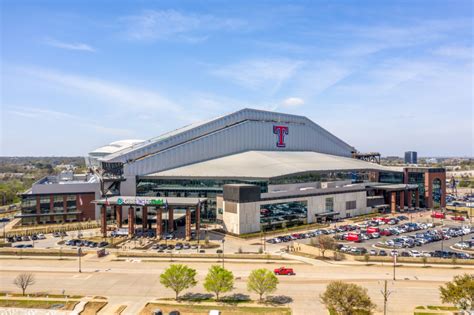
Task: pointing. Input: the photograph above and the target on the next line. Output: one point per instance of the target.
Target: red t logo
(280, 131)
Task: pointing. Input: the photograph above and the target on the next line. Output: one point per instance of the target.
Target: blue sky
(386, 76)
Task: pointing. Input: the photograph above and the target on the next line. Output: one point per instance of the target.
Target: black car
(383, 253)
(405, 254)
(103, 244)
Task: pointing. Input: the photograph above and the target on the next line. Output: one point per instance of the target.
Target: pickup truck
(284, 271)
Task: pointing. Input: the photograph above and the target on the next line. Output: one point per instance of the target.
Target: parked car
(383, 253)
(415, 253)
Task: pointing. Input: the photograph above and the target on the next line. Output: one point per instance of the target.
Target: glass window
(71, 203)
(329, 204)
(58, 204)
(45, 204)
(281, 215)
(28, 205)
(391, 177)
(351, 205)
(437, 193)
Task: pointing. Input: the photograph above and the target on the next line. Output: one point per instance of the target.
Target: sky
(386, 76)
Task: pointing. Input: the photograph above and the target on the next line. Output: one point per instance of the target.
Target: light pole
(223, 241)
(79, 253)
(442, 238)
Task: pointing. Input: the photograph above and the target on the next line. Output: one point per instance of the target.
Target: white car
(415, 253)
(425, 254)
(462, 245)
(41, 236)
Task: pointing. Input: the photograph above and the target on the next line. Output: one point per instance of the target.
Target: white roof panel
(268, 164)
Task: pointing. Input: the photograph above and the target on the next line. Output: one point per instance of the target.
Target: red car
(353, 237)
(438, 215)
(284, 271)
(385, 233)
(371, 230)
(458, 218)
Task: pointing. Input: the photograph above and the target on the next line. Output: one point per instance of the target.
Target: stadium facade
(253, 170)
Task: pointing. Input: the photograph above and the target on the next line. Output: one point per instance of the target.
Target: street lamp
(223, 241)
(79, 253)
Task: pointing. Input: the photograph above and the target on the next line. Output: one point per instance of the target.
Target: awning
(326, 214)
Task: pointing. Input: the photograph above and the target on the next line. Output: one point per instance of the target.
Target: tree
(219, 280)
(262, 281)
(460, 292)
(424, 259)
(346, 298)
(24, 280)
(178, 277)
(326, 242)
(366, 258)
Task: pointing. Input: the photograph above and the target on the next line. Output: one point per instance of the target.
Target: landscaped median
(417, 260)
(51, 302)
(435, 310)
(135, 254)
(203, 308)
(41, 304)
(20, 252)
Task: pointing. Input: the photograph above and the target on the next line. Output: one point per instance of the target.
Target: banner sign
(140, 201)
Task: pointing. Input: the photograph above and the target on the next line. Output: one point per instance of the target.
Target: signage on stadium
(140, 201)
(280, 131)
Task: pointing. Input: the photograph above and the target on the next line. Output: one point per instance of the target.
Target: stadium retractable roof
(268, 164)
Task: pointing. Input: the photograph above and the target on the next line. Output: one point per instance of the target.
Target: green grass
(42, 304)
(42, 294)
(204, 309)
(441, 308)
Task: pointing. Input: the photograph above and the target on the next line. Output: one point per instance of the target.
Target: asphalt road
(134, 284)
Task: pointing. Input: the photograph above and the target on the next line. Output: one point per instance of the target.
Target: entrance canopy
(393, 187)
(150, 201)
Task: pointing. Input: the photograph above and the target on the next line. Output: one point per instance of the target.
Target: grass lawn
(58, 305)
(93, 307)
(204, 309)
(42, 294)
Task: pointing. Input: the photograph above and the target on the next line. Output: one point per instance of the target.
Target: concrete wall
(245, 217)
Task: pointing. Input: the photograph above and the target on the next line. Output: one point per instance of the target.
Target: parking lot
(409, 236)
(177, 245)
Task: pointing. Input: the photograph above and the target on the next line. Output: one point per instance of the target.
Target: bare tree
(24, 280)
(325, 242)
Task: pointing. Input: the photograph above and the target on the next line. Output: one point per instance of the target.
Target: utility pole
(385, 294)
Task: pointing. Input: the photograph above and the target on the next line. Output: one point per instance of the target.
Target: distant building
(411, 157)
(63, 198)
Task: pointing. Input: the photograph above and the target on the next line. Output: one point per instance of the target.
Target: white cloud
(119, 94)
(293, 102)
(260, 73)
(69, 46)
(71, 120)
(174, 25)
(453, 51)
